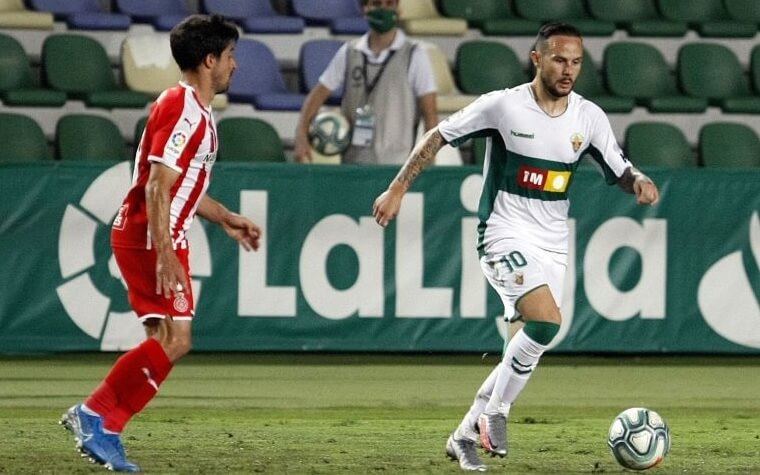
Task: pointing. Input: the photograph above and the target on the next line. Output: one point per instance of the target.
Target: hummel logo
(190, 124)
(521, 134)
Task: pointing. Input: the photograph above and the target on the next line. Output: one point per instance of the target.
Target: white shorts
(518, 268)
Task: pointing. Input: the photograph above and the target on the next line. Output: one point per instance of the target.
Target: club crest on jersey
(576, 140)
(544, 180)
(180, 303)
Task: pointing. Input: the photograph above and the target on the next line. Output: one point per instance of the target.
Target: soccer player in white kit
(149, 235)
(537, 133)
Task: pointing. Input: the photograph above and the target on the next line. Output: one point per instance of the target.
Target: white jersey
(530, 161)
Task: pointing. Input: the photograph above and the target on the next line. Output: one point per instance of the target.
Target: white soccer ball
(639, 438)
(330, 133)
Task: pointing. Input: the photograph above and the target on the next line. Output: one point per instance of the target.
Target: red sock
(130, 385)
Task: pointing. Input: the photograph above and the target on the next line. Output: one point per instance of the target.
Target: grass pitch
(357, 414)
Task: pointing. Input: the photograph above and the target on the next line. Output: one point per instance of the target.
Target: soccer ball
(639, 438)
(330, 133)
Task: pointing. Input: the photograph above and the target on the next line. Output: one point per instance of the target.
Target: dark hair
(197, 36)
(554, 28)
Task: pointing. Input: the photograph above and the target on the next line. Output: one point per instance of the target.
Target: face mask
(382, 20)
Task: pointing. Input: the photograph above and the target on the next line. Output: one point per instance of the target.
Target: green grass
(356, 414)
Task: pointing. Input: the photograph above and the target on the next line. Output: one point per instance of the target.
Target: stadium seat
(421, 17)
(658, 144)
(491, 17)
(709, 18)
(90, 78)
(343, 17)
(589, 84)
(83, 14)
(162, 14)
(743, 10)
(637, 17)
(448, 98)
(754, 68)
(14, 14)
(249, 139)
(313, 58)
(17, 88)
(148, 66)
(712, 71)
(731, 145)
(484, 66)
(255, 16)
(639, 71)
(258, 79)
(88, 137)
(571, 11)
(139, 128)
(22, 138)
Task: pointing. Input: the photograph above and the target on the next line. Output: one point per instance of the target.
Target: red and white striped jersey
(180, 134)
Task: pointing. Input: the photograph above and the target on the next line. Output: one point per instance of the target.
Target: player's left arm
(635, 182)
(238, 227)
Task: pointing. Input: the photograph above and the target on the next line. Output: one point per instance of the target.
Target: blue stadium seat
(162, 14)
(343, 17)
(258, 80)
(83, 14)
(313, 58)
(255, 16)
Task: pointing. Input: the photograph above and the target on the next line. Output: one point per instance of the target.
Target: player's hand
(302, 149)
(646, 192)
(242, 230)
(171, 278)
(386, 207)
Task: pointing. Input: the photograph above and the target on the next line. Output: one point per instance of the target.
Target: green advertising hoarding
(678, 277)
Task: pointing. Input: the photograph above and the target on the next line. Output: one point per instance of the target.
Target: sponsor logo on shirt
(177, 142)
(521, 134)
(544, 180)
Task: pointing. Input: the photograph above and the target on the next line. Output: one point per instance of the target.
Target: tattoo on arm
(422, 155)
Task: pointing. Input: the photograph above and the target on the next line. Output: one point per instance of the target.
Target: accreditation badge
(364, 127)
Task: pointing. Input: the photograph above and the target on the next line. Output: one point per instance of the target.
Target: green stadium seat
(658, 144)
(88, 137)
(570, 11)
(729, 145)
(491, 17)
(709, 18)
(639, 71)
(743, 10)
(249, 139)
(22, 138)
(637, 17)
(90, 77)
(482, 66)
(17, 88)
(712, 71)
(754, 68)
(589, 84)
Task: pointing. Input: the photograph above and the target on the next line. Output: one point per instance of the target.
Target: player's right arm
(169, 271)
(315, 100)
(386, 205)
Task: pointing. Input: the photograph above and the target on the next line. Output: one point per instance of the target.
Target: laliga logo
(93, 293)
(726, 297)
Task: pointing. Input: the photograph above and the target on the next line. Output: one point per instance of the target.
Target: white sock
(466, 429)
(520, 359)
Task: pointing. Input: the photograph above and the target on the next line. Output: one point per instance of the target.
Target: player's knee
(177, 347)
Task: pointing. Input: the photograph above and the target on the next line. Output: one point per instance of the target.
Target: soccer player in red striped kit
(149, 234)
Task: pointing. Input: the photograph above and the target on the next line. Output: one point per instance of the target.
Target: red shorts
(138, 268)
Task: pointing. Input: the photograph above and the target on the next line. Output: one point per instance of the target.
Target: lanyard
(369, 87)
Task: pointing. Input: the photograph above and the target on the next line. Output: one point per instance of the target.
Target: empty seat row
(96, 137)
(631, 74)
(667, 18)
